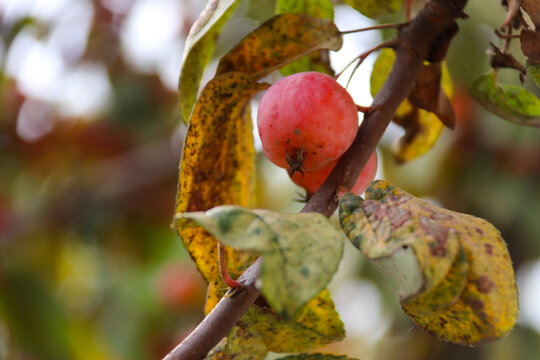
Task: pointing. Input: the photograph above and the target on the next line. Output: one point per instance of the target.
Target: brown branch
(221, 319)
(416, 40)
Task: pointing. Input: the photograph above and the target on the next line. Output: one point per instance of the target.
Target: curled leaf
(428, 94)
(530, 44)
(532, 7)
(301, 251)
(218, 166)
(468, 292)
(198, 50)
(512, 103)
(278, 41)
(427, 105)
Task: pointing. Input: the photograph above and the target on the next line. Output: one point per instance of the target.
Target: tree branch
(416, 41)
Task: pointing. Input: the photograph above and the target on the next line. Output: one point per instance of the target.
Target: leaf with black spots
(278, 41)
(463, 287)
(217, 168)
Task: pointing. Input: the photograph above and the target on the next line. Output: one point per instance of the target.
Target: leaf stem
(222, 259)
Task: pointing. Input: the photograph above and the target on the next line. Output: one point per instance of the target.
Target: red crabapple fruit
(312, 181)
(306, 121)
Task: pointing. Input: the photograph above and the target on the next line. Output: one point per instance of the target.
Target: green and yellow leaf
(243, 342)
(198, 50)
(533, 68)
(316, 357)
(318, 60)
(466, 292)
(316, 324)
(301, 251)
(278, 41)
(218, 167)
(375, 9)
(512, 103)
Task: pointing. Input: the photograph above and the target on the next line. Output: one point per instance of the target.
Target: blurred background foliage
(90, 140)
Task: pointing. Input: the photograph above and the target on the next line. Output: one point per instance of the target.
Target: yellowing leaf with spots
(278, 41)
(260, 329)
(318, 60)
(375, 8)
(243, 342)
(461, 287)
(316, 357)
(301, 252)
(198, 50)
(316, 324)
(217, 167)
(425, 112)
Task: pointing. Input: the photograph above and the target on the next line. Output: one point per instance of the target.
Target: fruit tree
(268, 272)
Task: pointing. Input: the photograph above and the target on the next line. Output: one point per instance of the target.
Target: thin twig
(360, 58)
(375, 27)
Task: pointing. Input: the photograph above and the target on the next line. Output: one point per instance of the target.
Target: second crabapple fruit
(306, 121)
(312, 181)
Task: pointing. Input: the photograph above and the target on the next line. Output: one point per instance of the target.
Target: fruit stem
(375, 27)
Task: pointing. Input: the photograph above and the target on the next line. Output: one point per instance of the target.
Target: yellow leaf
(243, 342)
(381, 69)
(316, 324)
(217, 167)
(467, 291)
(422, 130)
(278, 41)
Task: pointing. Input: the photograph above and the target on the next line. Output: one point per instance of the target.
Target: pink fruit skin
(313, 181)
(307, 112)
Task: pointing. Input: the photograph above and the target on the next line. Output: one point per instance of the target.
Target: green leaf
(375, 9)
(198, 50)
(467, 293)
(278, 41)
(533, 68)
(301, 251)
(316, 357)
(218, 167)
(318, 60)
(512, 103)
